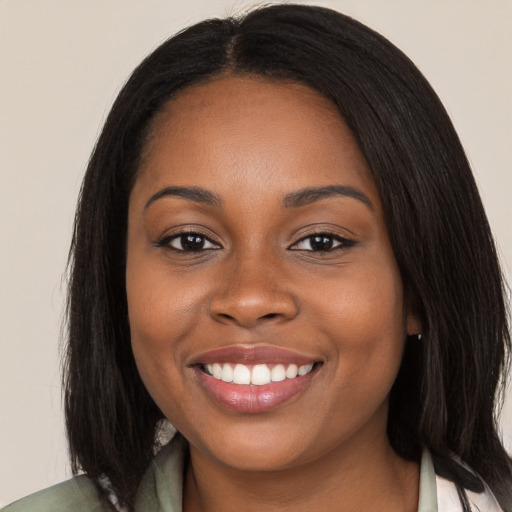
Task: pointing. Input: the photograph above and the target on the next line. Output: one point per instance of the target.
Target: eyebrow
(310, 195)
(196, 194)
(296, 199)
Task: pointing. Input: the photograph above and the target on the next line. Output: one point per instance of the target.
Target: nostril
(241, 319)
(248, 309)
(226, 316)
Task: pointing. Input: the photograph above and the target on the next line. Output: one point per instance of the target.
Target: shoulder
(438, 494)
(76, 495)
(448, 499)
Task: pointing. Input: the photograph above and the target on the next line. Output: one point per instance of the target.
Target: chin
(252, 445)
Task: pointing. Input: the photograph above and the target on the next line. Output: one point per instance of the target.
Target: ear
(413, 324)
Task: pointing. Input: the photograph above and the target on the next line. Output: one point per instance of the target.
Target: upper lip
(254, 354)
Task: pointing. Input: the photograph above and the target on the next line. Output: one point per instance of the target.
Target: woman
(280, 249)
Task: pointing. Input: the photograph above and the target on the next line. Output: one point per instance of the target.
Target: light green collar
(161, 489)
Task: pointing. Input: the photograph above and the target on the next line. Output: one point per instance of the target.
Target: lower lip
(250, 398)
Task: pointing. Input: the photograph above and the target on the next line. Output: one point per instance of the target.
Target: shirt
(162, 486)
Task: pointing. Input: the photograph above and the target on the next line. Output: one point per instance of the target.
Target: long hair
(446, 393)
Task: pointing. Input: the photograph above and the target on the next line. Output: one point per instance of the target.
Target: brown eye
(188, 242)
(191, 242)
(322, 242)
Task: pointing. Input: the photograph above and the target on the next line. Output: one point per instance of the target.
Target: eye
(188, 242)
(322, 242)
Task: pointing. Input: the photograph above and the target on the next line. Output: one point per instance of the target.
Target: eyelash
(167, 241)
(342, 242)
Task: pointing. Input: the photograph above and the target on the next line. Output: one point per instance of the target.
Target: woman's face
(258, 252)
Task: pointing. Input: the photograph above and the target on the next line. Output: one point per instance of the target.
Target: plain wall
(62, 63)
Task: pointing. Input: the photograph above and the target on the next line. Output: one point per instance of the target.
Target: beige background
(61, 64)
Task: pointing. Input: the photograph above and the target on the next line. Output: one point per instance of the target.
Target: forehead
(255, 132)
(225, 96)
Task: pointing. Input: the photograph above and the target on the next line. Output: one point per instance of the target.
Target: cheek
(161, 315)
(364, 321)
(360, 301)
(363, 316)
(160, 307)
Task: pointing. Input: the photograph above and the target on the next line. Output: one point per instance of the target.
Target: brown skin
(251, 142)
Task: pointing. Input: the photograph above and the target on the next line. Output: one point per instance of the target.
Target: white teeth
(217, 371)
(305, 369)
(278, 373)
(241, 374)
(258, 375)
(291, 371)
(227, 373)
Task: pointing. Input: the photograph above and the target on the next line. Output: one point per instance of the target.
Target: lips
(254, 379)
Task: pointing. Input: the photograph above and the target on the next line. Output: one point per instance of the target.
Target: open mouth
(254, 379)
(257, 374)
(255, 388)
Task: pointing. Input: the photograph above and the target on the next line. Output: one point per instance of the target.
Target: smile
(254, 378)
(258, 374)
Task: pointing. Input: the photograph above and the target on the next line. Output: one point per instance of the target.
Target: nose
(251, 293)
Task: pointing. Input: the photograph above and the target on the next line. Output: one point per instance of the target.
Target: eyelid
(165, 240)
(345, 242)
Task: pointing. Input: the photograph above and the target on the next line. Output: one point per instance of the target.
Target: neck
(364, 476)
